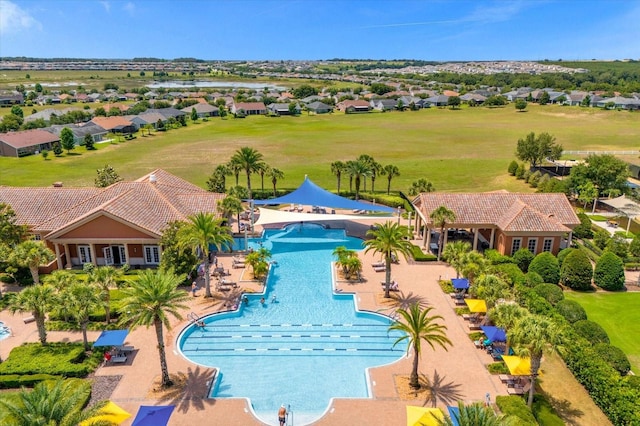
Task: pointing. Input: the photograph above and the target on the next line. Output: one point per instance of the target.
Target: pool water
(304, 349)
(4, 331)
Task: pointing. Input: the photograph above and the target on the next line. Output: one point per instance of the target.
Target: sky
(435, 30)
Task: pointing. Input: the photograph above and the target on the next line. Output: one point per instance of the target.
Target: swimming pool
(304, 349)
(4, 331)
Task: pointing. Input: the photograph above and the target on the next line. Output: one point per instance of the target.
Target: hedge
(419, 256)
(591, 331)
(615, 357)
(576, 271)
(544, 412)
(13, 381)
(551, 292)
(515, 406)
(62, 359)
(571, 310)
(609, 272)
(546, 265)
(510, 272)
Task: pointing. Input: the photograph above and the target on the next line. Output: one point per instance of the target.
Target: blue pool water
(4, 331)
(306, 348)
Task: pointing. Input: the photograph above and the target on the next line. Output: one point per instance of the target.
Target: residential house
(146, 118)
(248, 108)
(47, 113)
(282, 109)
(117, 225)
(619, 102)
(115, 124)
(319, 107)
(384, 104)
(80, 131)
(437, 101)
(203, 109)
(19, 144)
(166, 112)
(351, 107)
(473, 97)
(11, 98)
(501, 220)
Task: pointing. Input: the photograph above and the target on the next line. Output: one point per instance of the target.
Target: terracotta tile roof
(109, 123)
(28, 138)
(250, 106)
(508, 211)
(148, 203)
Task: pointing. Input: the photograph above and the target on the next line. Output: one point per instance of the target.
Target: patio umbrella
(476, 305)
(454, 414)
(109, 413)
(495, 334)
(517, 366)
(423, 416)
(460, 283)
(153, 415)
(111, 338)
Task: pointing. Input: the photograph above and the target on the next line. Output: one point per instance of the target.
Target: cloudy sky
(438, 30)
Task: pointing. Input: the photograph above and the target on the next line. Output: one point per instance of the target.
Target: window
(123, 254)
(532, 245)
(516, 243)
(151, 255)
(84, 253)
(548, 244)
(37, 237)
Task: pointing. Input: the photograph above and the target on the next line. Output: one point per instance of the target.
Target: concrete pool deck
(462, 369)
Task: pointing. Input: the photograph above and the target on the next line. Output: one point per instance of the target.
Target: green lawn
(619, 315)
(458, 150)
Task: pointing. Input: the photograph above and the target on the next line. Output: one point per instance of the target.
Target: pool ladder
(193, 317)
(289, 416)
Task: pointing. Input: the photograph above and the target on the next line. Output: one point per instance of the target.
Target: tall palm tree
(235, 169)
(419, 326)
(201, 231)
(250, 160)
(61, 280)
(229, 206)
(390, 171)
(51, 403)
(476, 415)
(491, 288)
(32, 254)
(82, 299)
(337, 167)
(376, 170)
(440, 217)
(106, 278)
(454, 254)
(359, 169)
(505, 315)
(38, 300)
(263, 169)
(275, 175)
(389, 239)
(531, 336)
(369, 161)
(150, 300)
(474, 264)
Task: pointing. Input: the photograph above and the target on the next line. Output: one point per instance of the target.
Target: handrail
(193, 317)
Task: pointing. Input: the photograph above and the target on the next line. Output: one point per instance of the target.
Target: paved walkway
(461, 370)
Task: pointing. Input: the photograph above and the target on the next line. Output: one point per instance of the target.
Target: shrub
(498, 368)
(495, 257)
(534, 178)
(523, 258)
(509, 272)
(634, 246)
(526, 175)
(584, 229)
(532, 279)
(546, 265)
(576, 272)
(513, 167)
(64, 359)
(446, 286)
(571, 310)
(618, 245)
(531, 300)
(551, 292)
(520, 171)
(12, 381)
(634, 381)
(592, 331)
(544, 412)
(419, 256)
(614, 356)
(515, 406)
(601, 238)
(609, 272)
(562, 255)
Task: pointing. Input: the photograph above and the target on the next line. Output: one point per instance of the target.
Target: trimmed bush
(498, 368)
(576, 271)
(562, 254)
(546, 265)
(495, 257)
(634, 246)
(63, 359)
(592, 331)
(601, 238)
(532, 279)
(419, 256)
(634, 381)
(551, 292)
(584, 229)
(515, 406)
(520, 171)
(12, 381)
(513, 167)
(523, 258)
(544, 412)
(614, 356)
(618, 245)
(609, 272)
(509, 272)
(571, 310)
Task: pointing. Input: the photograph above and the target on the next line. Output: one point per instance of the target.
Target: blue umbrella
(454, 413)
(111, 338)
(460, 283)
(495, 334)
(153, 415)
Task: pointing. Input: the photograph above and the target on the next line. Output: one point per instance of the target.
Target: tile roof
(109, 123)
(28, 138)
(250, 106)
(148, 203)
(508, 211)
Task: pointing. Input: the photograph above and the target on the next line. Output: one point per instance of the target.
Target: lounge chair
(118, 359)
(473, 326)
(393, 286)
(379, 268)
(519, 390)
(506, 378)
(125, 349)
(224, 282)
(378, 264)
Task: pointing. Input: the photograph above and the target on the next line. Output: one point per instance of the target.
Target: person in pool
(282, 415)
(262, 300)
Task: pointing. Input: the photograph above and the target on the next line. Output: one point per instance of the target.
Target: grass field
(458, 150)
(619, 315)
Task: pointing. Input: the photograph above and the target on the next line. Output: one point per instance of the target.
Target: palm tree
(440, 217)
(106, 278)
(474, 264)
(82, 299)
(491, 288)
(32, 254)
(454, 254)
(419, 326)
(149, 301)
(275, 174)
(359, 169)
(337, 167)
(369, 161)
(201, 231)
(229, 206)
(531, 336)
(389, 239)
(61, 280)
(263, 169)
(390, 171)
(476, 415)
(250, 161)
(234, 169)
(376, 170)
(51, 403)
(37, 300)
(505, 315)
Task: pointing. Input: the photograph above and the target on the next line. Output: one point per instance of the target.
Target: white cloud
(106, 5)
(13, 19)
(129, 7)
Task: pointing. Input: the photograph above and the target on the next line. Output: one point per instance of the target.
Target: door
(108, 255)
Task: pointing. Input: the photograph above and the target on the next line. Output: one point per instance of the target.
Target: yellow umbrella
(422, 416)
(518, 366)
(476, 305)
(111, 413)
